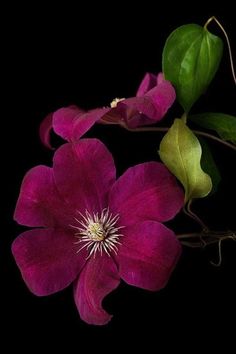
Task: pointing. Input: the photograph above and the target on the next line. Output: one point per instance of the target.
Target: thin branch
(210, 234)
(146, 129)
(188, 211)
(192, 245)
(213, 137)
(165, 129)
(190, 235)
(218, 264)
(203, 239)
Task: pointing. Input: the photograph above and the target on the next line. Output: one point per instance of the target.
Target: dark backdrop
(66, 55)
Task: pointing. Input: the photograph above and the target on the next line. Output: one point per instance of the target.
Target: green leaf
(181, 152)
(223, 124)
(191, 57)
(209, 166)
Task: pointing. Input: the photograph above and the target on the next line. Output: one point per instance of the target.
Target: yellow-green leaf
(181, 152)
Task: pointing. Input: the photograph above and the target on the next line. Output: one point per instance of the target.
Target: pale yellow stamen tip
(96, 231)
(113, 104)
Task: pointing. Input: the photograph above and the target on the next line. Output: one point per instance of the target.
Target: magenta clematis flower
(154, 97)
(92, 230)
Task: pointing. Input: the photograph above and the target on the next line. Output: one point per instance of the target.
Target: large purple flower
(93, 230)
(154, 97)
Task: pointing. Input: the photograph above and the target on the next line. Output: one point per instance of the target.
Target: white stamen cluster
(113, 104)
(98, 233)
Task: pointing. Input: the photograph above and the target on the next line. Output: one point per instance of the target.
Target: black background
(63, 55)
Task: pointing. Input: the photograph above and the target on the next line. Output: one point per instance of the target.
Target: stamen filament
(98, 232)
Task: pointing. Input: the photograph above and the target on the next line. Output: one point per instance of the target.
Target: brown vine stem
(165, 129)
(213, 235)
(213, 18)
(203, 239)
(213, 137)
(188, 211)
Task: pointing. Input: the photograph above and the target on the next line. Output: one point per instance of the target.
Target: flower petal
(160, 78)
(146, 192)
(87, 120)
(162, 96)
(47, 259)
(148, 82)
(39, 203)
(64, 120)
(140, 111)
(152, 105)
(98, 278)
(44, 131)
(148, 255)
(84, 172)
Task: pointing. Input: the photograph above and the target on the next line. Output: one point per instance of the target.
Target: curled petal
(84, 122)
(148, 82)
(44, 131)
(163, 96)
(160, 78)
(140, 111)
(98, 278)
(152, 105)
(64, 120)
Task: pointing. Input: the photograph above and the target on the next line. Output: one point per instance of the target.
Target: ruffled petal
(98, 278)
(64, 120)
(148, 82)
(160, 78)
(162, 96)
(87, 120)
(45, 130)
(148, 255)
(140, 111)
(47, 259)
(39, 203)
(153, 100)
(146, 192)
(84, 172)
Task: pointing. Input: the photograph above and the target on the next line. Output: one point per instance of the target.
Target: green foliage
(181, 152)
(191, 57)
(209, 166)
(223, 124)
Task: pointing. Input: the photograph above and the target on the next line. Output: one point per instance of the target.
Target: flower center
(98, 232)
(113, 104)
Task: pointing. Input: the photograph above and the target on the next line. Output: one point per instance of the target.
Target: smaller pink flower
(154, 97)
(93, 230)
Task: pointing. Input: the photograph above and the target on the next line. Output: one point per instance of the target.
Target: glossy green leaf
(223, 124)
(191, 57)
(181, 152)
(209, 166)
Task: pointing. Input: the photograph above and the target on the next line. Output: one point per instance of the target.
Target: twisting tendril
(213, 18)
